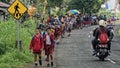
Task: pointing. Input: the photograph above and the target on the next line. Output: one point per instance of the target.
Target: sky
(111, 4)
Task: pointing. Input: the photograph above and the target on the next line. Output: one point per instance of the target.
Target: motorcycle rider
(96, 34)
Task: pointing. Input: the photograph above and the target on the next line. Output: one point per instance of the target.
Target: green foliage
(40, 7)
(6, 1)
(7, 34)
(9, 55)
(59, 11)
(62, 11)
(105, 12)
(86, 6)
(119, 32)
(15, 59)
(2, 49)
(118, 14)
(54, 3)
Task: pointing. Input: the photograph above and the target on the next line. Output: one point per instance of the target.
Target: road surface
(76, 52)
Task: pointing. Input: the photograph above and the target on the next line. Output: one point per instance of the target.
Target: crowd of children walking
(48, 34)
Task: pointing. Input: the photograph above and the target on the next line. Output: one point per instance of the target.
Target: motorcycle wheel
(101, 58)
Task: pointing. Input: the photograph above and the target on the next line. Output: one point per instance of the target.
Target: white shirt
(48, 40)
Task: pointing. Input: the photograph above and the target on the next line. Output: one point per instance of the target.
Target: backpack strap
(33, 37)
(40, 39)
(101, 30)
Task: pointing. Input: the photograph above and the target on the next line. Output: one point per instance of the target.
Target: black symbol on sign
(16, 12)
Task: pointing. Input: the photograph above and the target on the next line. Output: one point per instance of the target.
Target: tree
(6, 1)
(86, 6)
(54, 3)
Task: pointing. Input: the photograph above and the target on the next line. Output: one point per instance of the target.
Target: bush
(2, 49)
(7, 34)
(15, 59)
(9, 55)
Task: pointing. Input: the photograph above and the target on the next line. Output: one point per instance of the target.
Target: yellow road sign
(17, 9)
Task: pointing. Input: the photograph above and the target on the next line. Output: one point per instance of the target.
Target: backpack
(103, 37)
(40, 39)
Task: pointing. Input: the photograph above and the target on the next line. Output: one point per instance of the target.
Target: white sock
(48, 62)
(35, 62)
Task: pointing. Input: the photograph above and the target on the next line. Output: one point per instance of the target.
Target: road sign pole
(17, 9)
(18, 35)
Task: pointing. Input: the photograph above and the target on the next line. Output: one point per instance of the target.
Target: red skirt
(37, 52)
(49, 50)
(62, 32)
(87, 22)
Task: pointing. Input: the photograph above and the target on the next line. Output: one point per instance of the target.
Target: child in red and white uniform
(57, 32)
(36, 46)
(49, 46)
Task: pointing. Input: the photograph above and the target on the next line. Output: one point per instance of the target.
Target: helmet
(102, 23)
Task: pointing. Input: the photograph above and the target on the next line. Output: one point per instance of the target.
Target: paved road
(76, 52)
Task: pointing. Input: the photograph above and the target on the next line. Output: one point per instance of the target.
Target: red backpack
(103, 37)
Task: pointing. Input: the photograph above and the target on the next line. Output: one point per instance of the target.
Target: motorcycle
(102, 51)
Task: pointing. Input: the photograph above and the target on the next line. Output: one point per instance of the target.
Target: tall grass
(9, 55)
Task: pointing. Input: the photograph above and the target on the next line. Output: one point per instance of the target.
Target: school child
(36, 47)
(49, 46)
